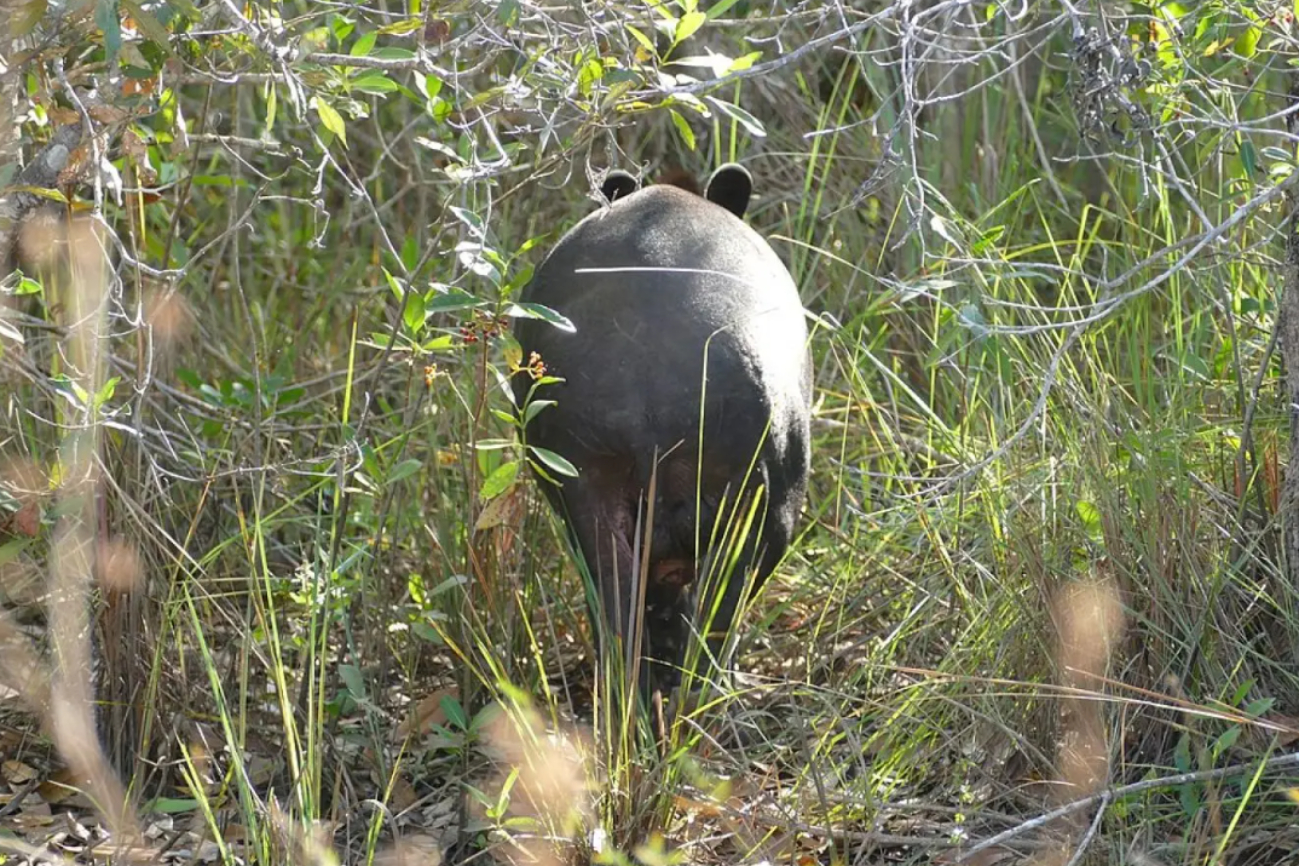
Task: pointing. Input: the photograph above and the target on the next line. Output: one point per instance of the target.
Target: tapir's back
(652, 284)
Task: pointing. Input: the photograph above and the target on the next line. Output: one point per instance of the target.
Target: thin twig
(1271, 765)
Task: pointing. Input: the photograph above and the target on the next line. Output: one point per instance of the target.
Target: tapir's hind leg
(748, 540)
(600, 511)
(667, 619)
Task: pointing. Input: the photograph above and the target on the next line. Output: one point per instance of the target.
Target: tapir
(687, 366)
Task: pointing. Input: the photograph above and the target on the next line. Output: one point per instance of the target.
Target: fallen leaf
(1290, 733)
(504, 509)
(987, 857)
(27, 520)
(403, 794)
(413, 850)
(63, 794)
(15, 772)
(425, 715)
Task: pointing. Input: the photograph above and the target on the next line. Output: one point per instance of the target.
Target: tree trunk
(42, 172)
(1288, 326)
(9, 81)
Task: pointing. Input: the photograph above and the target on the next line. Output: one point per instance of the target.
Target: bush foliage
(267, 529)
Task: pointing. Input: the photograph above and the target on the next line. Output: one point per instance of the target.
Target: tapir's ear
(730, 186)
(617, 184)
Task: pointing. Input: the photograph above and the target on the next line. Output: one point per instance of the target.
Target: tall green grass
(344, 647)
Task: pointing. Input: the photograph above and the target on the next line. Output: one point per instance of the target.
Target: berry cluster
(536, 367)
(483, 327)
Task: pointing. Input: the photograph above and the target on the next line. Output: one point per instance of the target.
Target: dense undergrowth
(1040, 566)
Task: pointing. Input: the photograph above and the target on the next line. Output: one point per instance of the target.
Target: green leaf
(364, 44)
(11, 550)
(393, 286)
(990, 237)
(553, 461)
(687, 25)
(483, 800)
(272, 103)
(440, 343)
(410, 251)
(414, 314)
(683, 128)
(404, 469)
(82, 395)
(28, 16)
(1182, 754)
(486, 716)
(429, 85)
(331, 119)
(945, 230)
(494, 444)
(1277, 154)
(748, 121)
(518, 281)
(449, 584)
(341, 26)
(500, 480)
(717, 10)
(51, 194)
(590, 72)
(402, 28)
(645, 41)
(392, 52)
(189, 377)
(374, 82)
(1090, 516)
(1173, 10)
(444, 299)
(1248, 158)
(109, 22)
(472, 221)
(106, 391)
(1247, 42)
(534, 408)
(184, 7)
(28, 286)
(170, 805)
(149, 25)
(744, 62)
(1254, 709)
(540, 311)
(1227, 740)
(352, 680)
(970, 316)
(454, 711)
(426, 632)
(1195, 365)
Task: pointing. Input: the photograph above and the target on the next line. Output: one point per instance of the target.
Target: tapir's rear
(678, 306)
